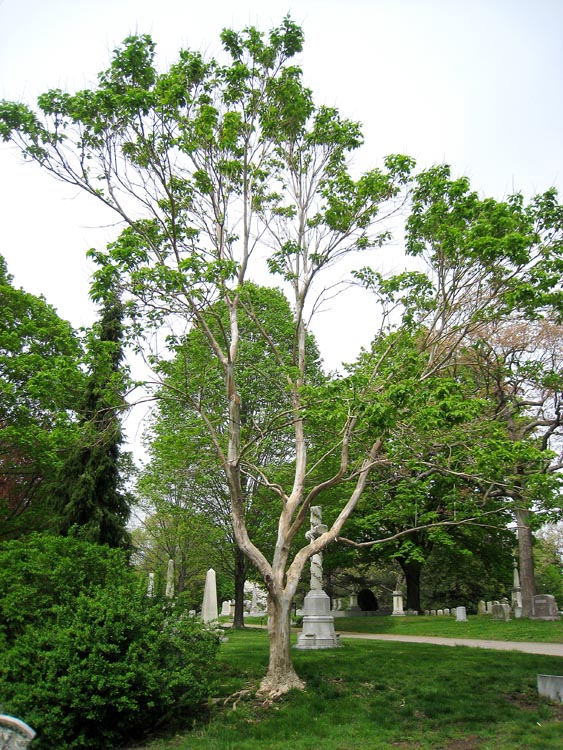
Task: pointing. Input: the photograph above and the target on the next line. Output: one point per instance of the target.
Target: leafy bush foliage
(87, 659)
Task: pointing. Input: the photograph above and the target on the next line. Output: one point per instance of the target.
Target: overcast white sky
(475, 83)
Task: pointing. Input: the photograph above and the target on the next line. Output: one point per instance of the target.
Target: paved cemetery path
(549, 649)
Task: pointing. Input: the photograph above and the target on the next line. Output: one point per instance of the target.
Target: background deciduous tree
(40, 383)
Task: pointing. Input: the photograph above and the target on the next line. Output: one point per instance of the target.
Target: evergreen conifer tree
(92, 502)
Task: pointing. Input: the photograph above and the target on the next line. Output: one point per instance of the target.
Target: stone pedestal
(398, 610)
(318, 623)
(353, 605)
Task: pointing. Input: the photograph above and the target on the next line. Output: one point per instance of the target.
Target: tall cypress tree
(92, 503)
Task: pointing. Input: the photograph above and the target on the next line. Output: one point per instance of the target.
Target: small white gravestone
(551, 686)
(150, 587)
(170, 579)
(226, 608)
(209, 607)
(481, 608)
(461, 614)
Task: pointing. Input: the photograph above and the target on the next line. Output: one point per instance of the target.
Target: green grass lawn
(376, 695)
(475, 627)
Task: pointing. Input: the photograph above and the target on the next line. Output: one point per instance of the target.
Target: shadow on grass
(380, 696)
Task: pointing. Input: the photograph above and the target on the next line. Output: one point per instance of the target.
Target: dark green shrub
(99, 662)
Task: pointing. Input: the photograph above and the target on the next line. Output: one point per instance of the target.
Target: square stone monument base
(318, 623)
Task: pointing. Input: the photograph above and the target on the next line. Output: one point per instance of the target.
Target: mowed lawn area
(375, 695)
(483, 627)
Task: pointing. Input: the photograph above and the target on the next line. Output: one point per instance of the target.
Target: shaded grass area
(476, 627)
(380, 695)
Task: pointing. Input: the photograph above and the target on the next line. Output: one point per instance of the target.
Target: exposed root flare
(235, 698)
(272, 689)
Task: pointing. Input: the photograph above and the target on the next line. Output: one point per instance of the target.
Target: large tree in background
(520, 365)
(444, 457)
(91, 499)
(40, 384)
(216, 168)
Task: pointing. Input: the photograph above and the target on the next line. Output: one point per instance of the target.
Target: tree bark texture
(412, 571)
(281, 675)
(526, 559)
(241, 567)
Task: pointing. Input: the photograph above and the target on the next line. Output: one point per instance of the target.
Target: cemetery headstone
(398, 610)
(544, 607)
(353, 605)
(551, 686)
(516, 591)
(226, 608)
(209, 606)
(501, 612)
(461, 614)
(254, 609)
(318, 624)
(481, 608)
